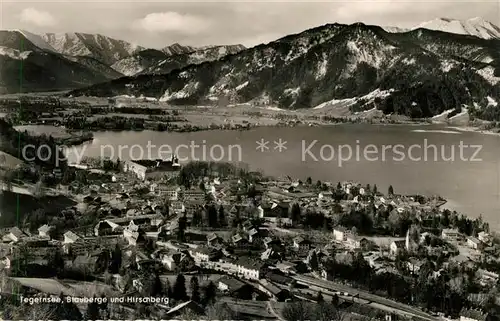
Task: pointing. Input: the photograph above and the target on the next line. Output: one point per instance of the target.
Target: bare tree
(38, 189)
(298, 311)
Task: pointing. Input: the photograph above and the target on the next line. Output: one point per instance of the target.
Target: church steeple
(407, 242)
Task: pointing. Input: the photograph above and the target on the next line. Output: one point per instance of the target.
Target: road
(335, 287)
(270, 308)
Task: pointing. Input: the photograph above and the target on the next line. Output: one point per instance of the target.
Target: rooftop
(249, 263)
(232, 283)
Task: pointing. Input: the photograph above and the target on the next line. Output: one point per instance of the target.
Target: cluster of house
(249, 257)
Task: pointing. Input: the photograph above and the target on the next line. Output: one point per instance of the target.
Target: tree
(197, 219)
(168, 289)
(7, 177)
(375, 191)
(182, 228)
(157, 289)
(116, 260)
(92, 311)
(222, 216)
(67, 310)
(251, 191)
(56, 260)
(309, 181)
(195, 290)
(335, 300)
(295, 213)
(298, 311)
(323, 312)
(313, 262)
(179, 290)
(38, 189)
(391, 190)
(212, 216)
(319, 298)
(209, 293)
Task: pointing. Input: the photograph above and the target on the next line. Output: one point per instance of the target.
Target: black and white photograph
(250, 160)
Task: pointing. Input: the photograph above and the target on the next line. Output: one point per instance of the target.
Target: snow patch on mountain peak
(488, 73)
(13, 53)
(322, 67)
(243, 85)
(185, 92)
(474, 27)
(37, 40)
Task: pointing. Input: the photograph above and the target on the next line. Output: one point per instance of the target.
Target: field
(70, 288)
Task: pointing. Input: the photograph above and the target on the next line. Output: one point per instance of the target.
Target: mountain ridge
(329, 62)
(94, 57)
(477, 27)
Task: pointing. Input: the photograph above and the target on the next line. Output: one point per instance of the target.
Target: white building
(397, 246)
(339, 234)
(44, 230)
(474, 243)
(70, 237)
(200, 255)
(485, 237)
(249, 269)
(138, 170)
(450, 234)
(15, 235)
(301, 243)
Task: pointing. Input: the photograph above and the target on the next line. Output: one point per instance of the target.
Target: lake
(471, 184)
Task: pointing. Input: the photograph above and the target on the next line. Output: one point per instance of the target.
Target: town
(217, 240)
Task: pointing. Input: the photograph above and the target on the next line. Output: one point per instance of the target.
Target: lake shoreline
(471, 129)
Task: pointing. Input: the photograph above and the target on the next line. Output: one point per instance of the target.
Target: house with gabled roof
(249, 268)
(253, 235)
(15, 235)
(339, 233)
(213, 239)
(237, 239)
(474, 243)
(70, 237)
(107, 227)
(301, 243)
(131, 237)
(271, 243)
(191, 306)
(450, 234)
(271, 289)
(397, 246)
(44, 230)
(485, 238)
(235, 287)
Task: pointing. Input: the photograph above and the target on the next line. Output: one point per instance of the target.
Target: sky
(156, 24)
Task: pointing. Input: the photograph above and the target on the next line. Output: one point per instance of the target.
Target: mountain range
(477, 27)
(426, 72)
(418, 72)
(32, 62)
